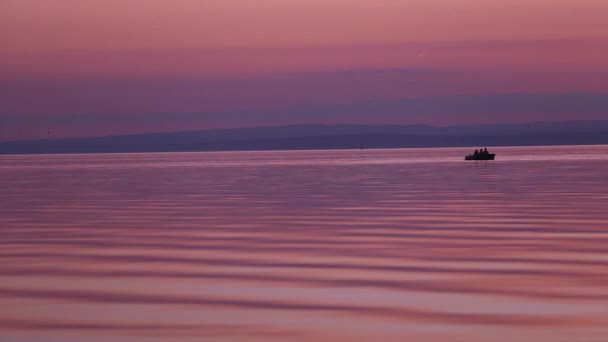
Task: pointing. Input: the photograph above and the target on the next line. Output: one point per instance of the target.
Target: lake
(345, 245)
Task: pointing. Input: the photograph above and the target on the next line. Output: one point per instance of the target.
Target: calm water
(370, 245)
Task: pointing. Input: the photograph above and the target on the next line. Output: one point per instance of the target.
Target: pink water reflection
(306, 245)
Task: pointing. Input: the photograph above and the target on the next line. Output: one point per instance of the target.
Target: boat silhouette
(489, 156)
(480, 155)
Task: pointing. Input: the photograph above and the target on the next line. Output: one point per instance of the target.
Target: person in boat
(476, 152)
(485, 150)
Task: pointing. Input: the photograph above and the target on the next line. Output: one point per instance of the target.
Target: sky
(89, 67)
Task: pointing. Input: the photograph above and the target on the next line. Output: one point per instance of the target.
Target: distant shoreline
(326, 137)
(287, 150)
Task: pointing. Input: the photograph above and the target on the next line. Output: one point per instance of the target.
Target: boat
(480, 156)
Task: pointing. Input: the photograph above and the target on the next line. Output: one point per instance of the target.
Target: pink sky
(127, 58)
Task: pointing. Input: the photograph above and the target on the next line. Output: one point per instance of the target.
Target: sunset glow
(96, 68)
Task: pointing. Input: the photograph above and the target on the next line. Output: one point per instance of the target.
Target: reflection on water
(306, 245)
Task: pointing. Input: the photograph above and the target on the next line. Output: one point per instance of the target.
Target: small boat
(480, 156)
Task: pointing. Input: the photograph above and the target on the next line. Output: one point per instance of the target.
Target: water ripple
(306, 245)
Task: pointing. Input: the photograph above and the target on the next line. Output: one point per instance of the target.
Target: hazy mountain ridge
(327, 137)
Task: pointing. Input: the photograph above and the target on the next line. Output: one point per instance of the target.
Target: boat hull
(489, 156)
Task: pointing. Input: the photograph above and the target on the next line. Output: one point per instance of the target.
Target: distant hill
(327, 137)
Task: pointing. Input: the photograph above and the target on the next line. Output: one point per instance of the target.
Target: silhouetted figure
(480, 154)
